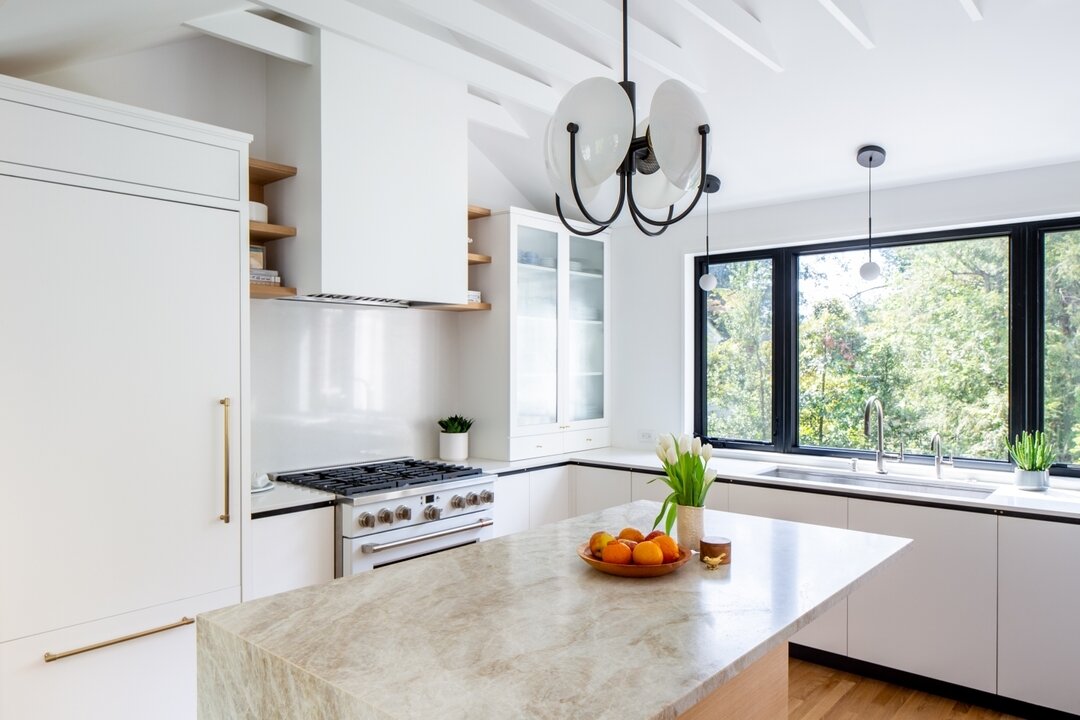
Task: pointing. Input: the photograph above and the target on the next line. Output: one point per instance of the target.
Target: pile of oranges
(632, 547)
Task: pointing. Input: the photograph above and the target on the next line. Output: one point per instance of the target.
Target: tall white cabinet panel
(541, 385)
(111, 418)
(125, 327)
(599, 488)
(828, 632)
(512, 504)
(549, 495)
(1038, 621)
(933, 611)
(649, 486)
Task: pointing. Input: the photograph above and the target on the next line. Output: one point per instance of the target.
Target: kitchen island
(520, 627)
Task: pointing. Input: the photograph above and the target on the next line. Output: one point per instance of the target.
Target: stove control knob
(366, 520)
(487, 496)
(472, 499)
(403, 513)
(432, 513)
(385, 516)
(457, 502)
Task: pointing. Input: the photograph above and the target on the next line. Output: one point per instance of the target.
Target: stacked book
(264, 277)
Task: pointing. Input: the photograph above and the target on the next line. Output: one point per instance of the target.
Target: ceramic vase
(1031, 479)
(690, 526)
(453, 446)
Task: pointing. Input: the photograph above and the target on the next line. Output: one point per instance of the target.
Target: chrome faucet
(874, 403)
(935, 447)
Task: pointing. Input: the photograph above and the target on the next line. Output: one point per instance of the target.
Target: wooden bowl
(633, 571)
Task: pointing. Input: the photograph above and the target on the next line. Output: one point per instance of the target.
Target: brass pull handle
(50, 657)
(225, 403)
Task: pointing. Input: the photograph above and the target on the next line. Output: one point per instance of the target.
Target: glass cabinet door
(586, 331)
(537, 331)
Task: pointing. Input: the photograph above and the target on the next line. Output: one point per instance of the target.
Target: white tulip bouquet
(686, 463)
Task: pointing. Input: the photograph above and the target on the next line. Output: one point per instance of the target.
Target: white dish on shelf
(258, 212)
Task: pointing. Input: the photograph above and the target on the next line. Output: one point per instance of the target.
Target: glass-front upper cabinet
(537, 327)
(586, 346)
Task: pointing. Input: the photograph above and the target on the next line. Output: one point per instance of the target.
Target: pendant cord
(625, 46)
(706, 232)
(870, 211)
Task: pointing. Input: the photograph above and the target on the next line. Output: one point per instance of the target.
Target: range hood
(380, 195)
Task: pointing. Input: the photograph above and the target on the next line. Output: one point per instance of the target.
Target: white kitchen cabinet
(598, 488)
(541, 384)
(932, 611)
(1038, 622)
(291, 550)
(651, 486)
(828, 632)
(359, 124)
(511, 504)
(127, 328)
(549, 495)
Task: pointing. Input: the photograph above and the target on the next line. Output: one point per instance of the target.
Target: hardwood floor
(816, 692)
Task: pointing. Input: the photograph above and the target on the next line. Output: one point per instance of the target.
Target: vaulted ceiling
(793, 87)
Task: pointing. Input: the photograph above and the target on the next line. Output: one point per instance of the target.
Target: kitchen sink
(882, 483)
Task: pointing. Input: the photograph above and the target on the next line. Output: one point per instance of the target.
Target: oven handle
(379, 547)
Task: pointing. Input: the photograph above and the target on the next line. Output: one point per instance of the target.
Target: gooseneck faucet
(874, 403)
(935, 447)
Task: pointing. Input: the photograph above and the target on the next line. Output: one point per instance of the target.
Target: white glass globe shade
(605, 122)
(654, 191)
(707, 282)
(561, 185)
(675, 115)
(870, 271)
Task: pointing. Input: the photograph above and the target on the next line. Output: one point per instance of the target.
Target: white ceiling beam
(354, 22)
(646, 45)
(971, 7)
(492, 115)
(849, 14)
(260, 34)
(473, 20)
(738, 26)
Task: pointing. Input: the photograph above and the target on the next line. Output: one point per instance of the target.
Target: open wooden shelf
(266, 292)
(475, 211)
(467, 307)
(265, 232)
(264, 172)
(478, 259)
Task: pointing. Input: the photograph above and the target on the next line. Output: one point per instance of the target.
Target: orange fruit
(668, 547)
(630, 533)
(598, 541)
(655, 534)
(617, 553)
(648, 553)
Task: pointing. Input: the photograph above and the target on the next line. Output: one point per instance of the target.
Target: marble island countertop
(520, 627)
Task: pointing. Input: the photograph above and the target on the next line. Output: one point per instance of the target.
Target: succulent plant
(1032, 451)
(456, 424)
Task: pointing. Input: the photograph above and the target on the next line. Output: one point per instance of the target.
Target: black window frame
(1026, 243)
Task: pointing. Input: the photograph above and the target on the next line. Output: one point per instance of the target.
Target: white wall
(202, 79)
(652, 341)
(488, 187)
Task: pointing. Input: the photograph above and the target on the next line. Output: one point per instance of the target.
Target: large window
(972, 335)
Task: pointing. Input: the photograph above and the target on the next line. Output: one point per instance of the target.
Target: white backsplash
(337, 384)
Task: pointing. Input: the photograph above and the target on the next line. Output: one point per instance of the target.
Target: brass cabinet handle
(225, 404)
(50, 657)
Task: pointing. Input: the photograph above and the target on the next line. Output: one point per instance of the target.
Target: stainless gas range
(394, 510)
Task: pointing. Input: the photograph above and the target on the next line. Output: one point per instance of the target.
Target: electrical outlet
(646, 436)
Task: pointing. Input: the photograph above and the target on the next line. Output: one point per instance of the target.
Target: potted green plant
(1033, 457)
(687, 473)
(454, 438)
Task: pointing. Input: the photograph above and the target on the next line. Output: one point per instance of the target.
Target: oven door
(385, 548)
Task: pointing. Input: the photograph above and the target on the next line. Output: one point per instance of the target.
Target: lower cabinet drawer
(530, 446)
(578, 440)
(145, 677)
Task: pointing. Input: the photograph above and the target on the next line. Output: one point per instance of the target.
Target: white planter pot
(1031, 479)
(453, 446)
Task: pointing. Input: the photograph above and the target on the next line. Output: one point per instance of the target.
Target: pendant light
(707, 281)
(591, 136)
(870, 157)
